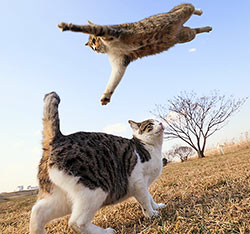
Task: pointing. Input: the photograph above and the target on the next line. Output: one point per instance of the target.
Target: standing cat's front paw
(153, 213)
(160, 206)
(106, 98)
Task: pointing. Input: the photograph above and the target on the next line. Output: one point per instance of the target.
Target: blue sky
(36, 58)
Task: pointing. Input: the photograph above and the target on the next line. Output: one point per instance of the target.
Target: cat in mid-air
(125, 43)
(82, 172)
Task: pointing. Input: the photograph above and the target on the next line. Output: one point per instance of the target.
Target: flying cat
(82, 172)
(125, 43)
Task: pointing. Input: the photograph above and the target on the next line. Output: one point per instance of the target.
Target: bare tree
(193, 119)
(183, 152)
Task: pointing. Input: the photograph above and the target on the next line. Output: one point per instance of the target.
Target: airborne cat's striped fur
(82, 172)
(125, 43)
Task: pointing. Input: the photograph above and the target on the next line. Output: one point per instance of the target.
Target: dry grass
(210, 195)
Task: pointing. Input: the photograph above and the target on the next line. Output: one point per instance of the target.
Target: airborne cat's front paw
(105, 99)
(63, 26)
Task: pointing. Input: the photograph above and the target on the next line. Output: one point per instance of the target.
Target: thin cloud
(116, 129)
(38, 133)
(192, 50)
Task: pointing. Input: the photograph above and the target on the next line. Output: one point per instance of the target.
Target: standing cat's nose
(162, 125)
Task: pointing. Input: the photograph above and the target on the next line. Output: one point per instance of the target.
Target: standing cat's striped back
(82, 172)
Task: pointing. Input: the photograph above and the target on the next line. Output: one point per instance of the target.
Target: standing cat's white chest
(152, 168)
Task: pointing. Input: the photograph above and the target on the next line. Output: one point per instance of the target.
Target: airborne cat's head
(96, 44)
(149, 131)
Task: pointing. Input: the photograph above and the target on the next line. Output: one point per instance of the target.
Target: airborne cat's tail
(94, 29)
(51, 122)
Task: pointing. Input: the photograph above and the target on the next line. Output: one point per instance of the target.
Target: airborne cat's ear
(91, 23)
(134, 125)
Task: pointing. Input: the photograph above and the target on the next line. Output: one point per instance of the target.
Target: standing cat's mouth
(161, 129)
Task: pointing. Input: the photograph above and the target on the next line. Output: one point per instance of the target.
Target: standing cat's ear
(134, 125)
(91, 23)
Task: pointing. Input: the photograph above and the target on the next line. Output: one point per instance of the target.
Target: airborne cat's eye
(93, 40)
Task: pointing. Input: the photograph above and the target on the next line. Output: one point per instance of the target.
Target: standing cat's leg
(52, 206)
(157, 206)
(119, 65)
(85, 203)
(143, 196)
(188, 34)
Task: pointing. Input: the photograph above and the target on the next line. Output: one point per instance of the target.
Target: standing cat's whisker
(82, 172)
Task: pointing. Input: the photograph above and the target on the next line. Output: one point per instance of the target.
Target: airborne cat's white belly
(117, 47)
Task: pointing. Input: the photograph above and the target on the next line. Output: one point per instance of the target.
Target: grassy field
(210, 195)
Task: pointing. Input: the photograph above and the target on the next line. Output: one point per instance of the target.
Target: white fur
(52, 206)
(118, 70)
(145, 173)
(72, 198)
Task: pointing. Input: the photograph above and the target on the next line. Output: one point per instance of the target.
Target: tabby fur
(125, 43)
(82, 172)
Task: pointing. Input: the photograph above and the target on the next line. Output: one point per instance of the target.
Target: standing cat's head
(149, 131)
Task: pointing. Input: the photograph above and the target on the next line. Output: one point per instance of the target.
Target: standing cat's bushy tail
(51, 122)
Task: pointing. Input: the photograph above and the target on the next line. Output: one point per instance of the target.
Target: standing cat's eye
(150, 127)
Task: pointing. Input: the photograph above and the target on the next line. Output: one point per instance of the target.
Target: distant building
(20, 188)
(220, 148)
(32, 187)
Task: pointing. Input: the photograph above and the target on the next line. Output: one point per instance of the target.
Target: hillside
(16, 195)
(210, 195)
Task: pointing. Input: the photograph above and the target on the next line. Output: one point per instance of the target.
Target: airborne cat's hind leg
(188, 8)
(198, 12)
(184, 7)
(188, 34)
(203, 29)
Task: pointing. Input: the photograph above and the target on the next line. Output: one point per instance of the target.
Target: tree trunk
(200, 154)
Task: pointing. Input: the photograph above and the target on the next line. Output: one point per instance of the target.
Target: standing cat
(82, 172)
(125, 43)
